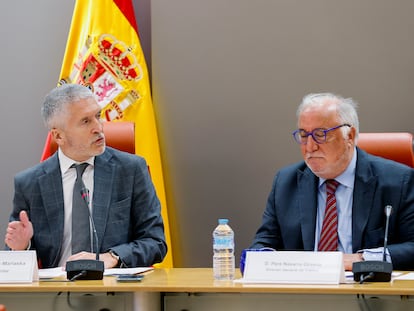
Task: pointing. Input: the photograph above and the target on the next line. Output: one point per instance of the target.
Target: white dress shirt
(68, 182)
(344, 199)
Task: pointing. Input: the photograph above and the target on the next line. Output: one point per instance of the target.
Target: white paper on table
(51, 273)
(60, 271)
(130, 271)
(403, 277)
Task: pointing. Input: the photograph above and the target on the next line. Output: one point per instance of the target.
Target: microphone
(86, 269)
(85, 196)
(375, 270)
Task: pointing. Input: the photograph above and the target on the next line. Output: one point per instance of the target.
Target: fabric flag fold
(103, 52)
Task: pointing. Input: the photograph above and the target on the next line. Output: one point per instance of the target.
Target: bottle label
(223, 242)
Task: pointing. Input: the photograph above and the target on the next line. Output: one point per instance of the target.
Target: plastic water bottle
(223, 251)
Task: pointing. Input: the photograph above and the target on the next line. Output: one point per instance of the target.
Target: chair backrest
(119, 135)
(397, 146)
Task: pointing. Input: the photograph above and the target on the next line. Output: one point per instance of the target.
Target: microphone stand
(375, 270)
(86, 269)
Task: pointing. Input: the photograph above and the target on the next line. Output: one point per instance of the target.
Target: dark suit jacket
(289, 219)
(126, 210)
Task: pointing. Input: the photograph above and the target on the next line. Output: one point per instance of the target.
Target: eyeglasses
(318, 134)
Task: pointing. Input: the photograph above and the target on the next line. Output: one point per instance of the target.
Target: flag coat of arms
(103, 52)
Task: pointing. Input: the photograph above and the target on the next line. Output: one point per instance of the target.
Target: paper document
(60, 271)
(51, 273)
(117, 271)
(399, 276)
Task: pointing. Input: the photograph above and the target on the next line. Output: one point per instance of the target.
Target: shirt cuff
(375, 254)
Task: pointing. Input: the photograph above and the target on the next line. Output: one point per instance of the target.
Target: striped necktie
(329, 235)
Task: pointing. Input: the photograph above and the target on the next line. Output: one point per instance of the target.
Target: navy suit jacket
(289, 220)
(126, 210)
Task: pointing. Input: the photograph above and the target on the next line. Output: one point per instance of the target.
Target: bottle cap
(223, 221)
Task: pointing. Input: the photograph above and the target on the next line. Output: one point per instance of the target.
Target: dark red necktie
(329, 234)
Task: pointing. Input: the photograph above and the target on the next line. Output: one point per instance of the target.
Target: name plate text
(294, 267)
(18, 267)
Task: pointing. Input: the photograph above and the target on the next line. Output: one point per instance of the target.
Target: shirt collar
(347, 178)
(66, 162)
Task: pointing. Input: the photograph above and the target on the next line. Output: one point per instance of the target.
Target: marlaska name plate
(18, 267)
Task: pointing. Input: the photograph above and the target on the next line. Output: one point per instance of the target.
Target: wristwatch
(115, 256)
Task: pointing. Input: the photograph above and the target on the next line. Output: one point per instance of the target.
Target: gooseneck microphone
(85, 196)
(373, 270)
(388, 210)
(86, 269)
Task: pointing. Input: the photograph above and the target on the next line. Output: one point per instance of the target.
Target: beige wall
(227, 76)
(33, 39)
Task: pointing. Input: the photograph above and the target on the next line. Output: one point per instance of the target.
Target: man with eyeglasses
(294, 217)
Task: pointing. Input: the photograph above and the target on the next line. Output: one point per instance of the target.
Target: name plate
(18, 267)
(294, 267)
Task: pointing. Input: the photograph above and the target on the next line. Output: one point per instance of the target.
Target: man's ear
(57, 135)
(352, 135)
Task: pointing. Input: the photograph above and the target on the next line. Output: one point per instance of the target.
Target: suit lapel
(307, 185)
(104, 172)
(52, 196)
(364, 189)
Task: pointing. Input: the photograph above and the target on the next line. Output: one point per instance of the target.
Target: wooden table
(195, 289)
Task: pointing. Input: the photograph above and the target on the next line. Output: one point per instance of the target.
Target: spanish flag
(103, 51)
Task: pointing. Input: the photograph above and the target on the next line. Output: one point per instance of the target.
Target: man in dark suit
(125, 207)
(327, 133)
